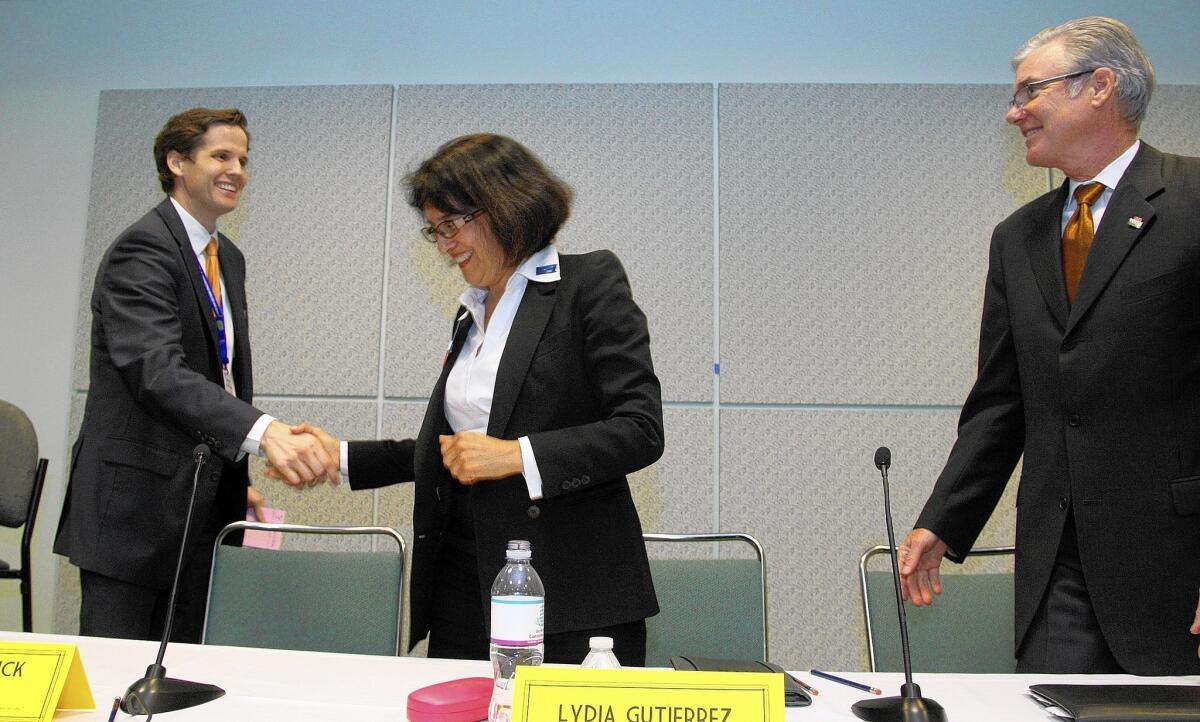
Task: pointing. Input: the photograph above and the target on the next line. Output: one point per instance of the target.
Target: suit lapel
(235, 290)
(434, 422)
(1116, 234)
(523, 338)
(1045, 255)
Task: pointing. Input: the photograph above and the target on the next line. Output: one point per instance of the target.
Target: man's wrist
(253, 443)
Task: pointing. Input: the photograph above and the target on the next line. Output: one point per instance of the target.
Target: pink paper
(264, 539)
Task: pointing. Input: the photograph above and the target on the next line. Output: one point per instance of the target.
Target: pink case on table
(459, 700)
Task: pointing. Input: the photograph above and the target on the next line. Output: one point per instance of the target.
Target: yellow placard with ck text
(36, 679)
(570, 694)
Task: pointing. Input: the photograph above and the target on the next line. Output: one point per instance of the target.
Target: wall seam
(380, 395)
(716, 368)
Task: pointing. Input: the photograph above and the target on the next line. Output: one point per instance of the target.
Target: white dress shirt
(471, 382)
(1110, 177)
(199, 237)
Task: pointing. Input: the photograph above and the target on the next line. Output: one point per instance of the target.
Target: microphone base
(899, 709)
(157, 693)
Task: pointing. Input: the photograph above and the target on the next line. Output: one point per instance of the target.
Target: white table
(265, 685)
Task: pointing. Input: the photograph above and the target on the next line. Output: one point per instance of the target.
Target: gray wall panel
(640, 160)
(803, 482)
(854, 228)
(311, 222)
(1171, 123)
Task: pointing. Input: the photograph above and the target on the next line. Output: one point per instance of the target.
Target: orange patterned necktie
(212, 269)
(1078, 236)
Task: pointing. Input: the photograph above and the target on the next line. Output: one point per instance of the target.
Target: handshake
(306, 455)
(301, 456)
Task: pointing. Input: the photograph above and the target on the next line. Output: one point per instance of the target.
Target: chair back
(968, 628)
(326, 601)
(18, 465)
(22, 475)
(709, 607)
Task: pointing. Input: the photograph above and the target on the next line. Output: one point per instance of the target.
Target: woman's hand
(471, 457)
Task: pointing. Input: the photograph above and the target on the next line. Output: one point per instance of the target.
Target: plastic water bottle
(518, 625)
(601, 656)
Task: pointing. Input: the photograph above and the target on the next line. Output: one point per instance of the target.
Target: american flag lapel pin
(1135, 222)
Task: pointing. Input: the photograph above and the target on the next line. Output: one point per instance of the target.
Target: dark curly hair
(526, 203)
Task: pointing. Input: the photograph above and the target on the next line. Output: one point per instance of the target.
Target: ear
(1102, 87)
(175, 162)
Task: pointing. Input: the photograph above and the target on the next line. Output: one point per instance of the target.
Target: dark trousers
(114, 608)
(457, 629)
(111, 607)
(1064, 636)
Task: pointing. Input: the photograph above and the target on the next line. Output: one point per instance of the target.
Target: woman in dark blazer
(547, 399)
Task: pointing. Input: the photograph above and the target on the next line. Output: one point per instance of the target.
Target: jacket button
(1062, 503)
(585, 479)
(534, 511)
(1074, 420)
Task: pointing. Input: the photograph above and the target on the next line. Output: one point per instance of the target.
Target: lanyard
(218, 312)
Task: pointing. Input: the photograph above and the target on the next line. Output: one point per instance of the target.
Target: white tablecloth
(269, 685)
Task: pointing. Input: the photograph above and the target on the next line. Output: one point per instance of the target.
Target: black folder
(1123, 702)
(793, 694)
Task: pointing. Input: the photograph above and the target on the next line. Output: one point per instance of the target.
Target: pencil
(847, 682)
(812, 691)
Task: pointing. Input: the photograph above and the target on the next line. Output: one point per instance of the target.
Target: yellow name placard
(36, 679)
(567, 694)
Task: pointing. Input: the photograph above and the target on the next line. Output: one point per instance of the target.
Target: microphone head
(883, 457)
(200, 453)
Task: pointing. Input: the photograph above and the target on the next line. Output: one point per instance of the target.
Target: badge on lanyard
(218, 314)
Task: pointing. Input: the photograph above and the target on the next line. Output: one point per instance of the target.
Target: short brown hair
(526, 204)
(183, 132)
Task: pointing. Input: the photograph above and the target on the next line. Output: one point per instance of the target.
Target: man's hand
(920, 556)
(471, 457)
(256, 501)
(296, 458)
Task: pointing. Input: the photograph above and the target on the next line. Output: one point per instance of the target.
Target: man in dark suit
(170, 368)
(1089, 364)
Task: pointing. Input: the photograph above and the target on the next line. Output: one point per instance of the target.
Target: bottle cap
(600, 643)
(519, 549)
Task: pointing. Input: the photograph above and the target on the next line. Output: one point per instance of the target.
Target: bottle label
(518, 621)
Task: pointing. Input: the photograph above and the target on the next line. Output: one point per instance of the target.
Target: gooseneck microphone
(156, 692)
(910, 706)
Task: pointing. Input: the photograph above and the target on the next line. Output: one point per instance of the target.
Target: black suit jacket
(155, 392)
(1103, 399)
(577, 379)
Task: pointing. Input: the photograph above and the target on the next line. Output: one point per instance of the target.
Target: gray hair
(1100, 42)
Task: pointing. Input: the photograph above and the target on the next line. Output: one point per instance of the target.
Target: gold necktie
(212, 269)
(1078, 236)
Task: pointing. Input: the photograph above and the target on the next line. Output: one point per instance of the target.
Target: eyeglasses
(1030, 90)
(450, 227)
